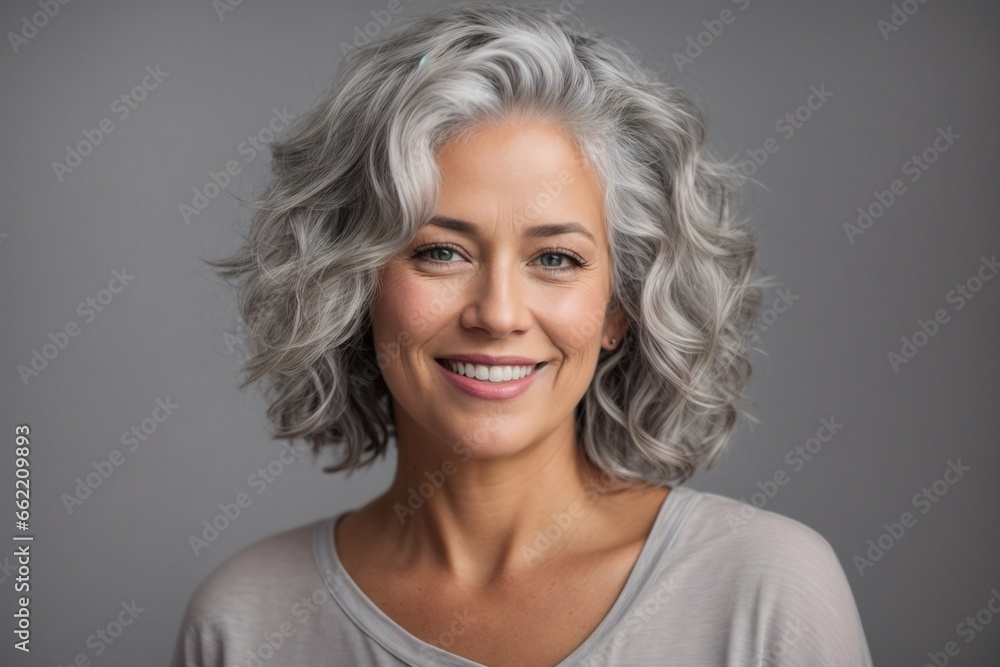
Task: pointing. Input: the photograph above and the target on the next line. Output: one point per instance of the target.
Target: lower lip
(486, 389)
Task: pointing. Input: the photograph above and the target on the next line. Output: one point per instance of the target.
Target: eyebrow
(535, 231)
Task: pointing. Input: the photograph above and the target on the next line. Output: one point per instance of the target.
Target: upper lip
(488, 360)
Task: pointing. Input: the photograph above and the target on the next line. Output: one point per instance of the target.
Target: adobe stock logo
(105, 467)
(786, 126)
(781, 304)
(898, 18)
(223, 7)
(381, 18)
(967, 630)
(959, 296)
(121, 106)
(796, 458)
(31, 26)
(254, 145)
(924, 500)
(696, 44)
(60, 340)
(915, 167)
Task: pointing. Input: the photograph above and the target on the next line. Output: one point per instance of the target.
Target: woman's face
(497, 277)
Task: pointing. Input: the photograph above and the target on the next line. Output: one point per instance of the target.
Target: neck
(478, 519)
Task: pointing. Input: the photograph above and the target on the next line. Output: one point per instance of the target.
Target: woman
(499, 241)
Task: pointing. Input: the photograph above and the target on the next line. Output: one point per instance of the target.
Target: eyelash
(579, 262)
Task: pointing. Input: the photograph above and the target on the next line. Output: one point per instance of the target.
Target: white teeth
(489, 373)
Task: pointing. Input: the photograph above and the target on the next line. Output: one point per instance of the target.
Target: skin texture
(506, 467)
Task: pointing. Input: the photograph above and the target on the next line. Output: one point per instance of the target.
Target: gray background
(172, 332)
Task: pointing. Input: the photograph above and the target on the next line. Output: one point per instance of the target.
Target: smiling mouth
(490, 374)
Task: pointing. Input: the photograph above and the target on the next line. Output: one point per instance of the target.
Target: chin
(485, 439)
(491, 450)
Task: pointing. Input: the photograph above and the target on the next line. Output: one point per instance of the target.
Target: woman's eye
(440, 254)
(552, 260)
(553, 255)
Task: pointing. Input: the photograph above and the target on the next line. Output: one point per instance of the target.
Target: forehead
(519, 170)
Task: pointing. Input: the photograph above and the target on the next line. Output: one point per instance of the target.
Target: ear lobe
(616, 325)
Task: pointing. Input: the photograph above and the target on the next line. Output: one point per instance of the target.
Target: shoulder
(776, 583)
(756, 539)
(256, 593)
(763, 554)
(264, 573)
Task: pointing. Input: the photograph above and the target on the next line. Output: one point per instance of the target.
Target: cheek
(413, 306)
(574, 320)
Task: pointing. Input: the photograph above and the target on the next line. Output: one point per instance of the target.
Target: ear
(615, 326)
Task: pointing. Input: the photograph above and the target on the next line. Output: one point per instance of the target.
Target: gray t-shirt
(718, 582)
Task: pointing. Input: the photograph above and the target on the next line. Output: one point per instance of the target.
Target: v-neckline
(412, 650)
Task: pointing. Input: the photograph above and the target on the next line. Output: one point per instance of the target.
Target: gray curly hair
(355, 177)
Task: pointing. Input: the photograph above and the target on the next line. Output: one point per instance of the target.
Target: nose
(499, 302)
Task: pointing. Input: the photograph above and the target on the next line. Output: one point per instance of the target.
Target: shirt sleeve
(199, 644)
(800, 606)
(204, 634)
